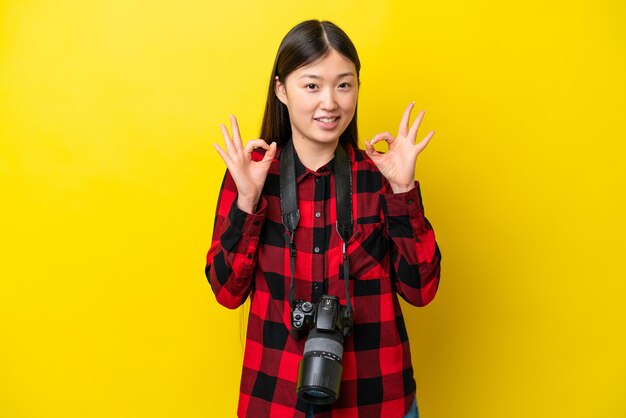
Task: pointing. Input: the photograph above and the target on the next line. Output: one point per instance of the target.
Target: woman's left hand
(398, 163)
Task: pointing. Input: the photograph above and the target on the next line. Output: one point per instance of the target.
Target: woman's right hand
(249, 176)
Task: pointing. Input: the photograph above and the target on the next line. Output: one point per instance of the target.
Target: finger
(415, 126)
(222, 154)
(255, 143)
(422, 144)
(236, 135)
(370, 150)
(230, 148)
(270, 153)
(403, 130)
(383, 136)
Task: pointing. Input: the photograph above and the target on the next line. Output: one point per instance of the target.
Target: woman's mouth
(327, 122)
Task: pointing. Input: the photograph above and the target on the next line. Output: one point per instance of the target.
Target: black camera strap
(291, 214)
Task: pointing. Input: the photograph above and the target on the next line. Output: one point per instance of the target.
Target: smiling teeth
(327, 120)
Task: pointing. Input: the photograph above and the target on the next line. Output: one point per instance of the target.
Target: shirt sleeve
(231, 260)
(415, 256)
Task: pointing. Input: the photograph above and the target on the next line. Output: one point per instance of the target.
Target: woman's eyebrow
(317, 77)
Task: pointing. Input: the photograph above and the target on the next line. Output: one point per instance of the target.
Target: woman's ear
(279, 89)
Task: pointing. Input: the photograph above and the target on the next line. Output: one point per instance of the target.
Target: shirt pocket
(369, 252)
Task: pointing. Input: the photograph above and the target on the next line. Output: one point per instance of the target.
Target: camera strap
(291, 213)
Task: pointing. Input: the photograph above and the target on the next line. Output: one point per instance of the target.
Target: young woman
(377, 247)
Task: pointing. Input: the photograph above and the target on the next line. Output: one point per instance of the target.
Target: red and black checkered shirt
(392, 252)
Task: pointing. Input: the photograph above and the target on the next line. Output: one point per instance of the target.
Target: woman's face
(321, 98)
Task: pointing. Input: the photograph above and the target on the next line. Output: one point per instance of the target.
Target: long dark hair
(306, 43)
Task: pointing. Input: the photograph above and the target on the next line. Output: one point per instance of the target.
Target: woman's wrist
(247, 205)
(401, 188)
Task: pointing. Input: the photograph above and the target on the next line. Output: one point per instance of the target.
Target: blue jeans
(413, 412)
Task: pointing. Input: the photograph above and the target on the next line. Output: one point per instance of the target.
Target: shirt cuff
(247, 223)
(402, 204)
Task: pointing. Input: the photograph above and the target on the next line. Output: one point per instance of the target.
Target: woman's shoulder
(367, 176)
(360, 158)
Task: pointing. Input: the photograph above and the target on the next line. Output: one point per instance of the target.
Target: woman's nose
(328, 101)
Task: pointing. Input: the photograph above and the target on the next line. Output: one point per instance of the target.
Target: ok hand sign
(249, 176)
(398, 163)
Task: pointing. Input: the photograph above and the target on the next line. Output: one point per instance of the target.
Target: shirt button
(316, 286)
(317, 179)
(410, 201)
(316, 250)
(318, 214)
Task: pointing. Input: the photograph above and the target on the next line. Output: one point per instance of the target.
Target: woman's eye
(344, 86)
(311, 86)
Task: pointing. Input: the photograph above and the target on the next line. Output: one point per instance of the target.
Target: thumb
(270, 153)
(370, 150)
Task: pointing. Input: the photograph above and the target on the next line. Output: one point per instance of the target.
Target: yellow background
(109, 184)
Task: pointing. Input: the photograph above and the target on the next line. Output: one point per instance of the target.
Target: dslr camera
(319, 371)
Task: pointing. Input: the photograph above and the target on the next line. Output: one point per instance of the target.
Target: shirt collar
(302, 171)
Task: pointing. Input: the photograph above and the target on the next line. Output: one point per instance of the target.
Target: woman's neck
(314, 155)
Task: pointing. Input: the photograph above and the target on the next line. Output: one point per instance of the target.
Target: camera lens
(314, 394)
(319, 374)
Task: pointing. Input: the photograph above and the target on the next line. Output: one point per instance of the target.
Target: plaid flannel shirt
(392, 252)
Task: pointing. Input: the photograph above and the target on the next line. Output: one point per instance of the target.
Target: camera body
(319, 371)
(328, 315)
